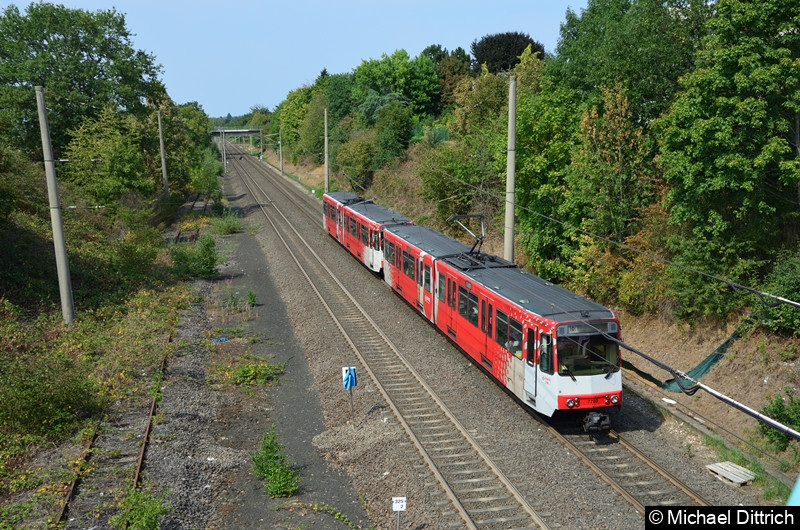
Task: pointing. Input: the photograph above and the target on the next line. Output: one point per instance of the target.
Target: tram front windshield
(586, 355)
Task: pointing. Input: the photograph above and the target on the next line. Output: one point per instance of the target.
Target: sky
(232, 55)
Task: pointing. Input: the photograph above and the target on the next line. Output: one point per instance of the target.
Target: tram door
(369, 251)
(540, 384)
(340, 221)
(425, 285)
(531, 363)
(516, 373)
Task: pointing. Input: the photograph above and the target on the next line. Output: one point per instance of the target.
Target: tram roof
(538, 295)
(368, 209)
(429, 240)
(504, 277)
(344, 197)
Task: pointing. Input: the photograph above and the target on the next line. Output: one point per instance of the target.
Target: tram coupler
(596, 423)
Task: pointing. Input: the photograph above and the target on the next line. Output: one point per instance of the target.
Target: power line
(736, 287)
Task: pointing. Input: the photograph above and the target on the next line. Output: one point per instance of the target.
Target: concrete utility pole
(224, 156)
(163, 156)
(280, 147)
(62, 263)
(326, 151)
(511, 161)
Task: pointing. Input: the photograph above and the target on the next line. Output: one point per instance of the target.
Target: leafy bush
(198, 260)
(785, 282)
(269, 463)
(135, 253)
(205, 178)
(44, 391)
(783, 408)
(356, 157)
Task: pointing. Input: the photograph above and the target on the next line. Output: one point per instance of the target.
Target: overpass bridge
(221, 134)
(225, 132)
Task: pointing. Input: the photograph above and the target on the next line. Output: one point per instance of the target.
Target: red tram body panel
(553, 349)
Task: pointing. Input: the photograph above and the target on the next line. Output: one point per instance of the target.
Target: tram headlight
(614, 399)
(570, 403)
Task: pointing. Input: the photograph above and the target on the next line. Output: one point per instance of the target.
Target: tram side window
(389, 252)
(515, 337)
(546, 354)
(426, 278)
(509, 334)
(451, 294)
(408, 264)
(364, 235)
(442, 288)
(468, 306)
(352, 226)
(530, 358)
(501, 333)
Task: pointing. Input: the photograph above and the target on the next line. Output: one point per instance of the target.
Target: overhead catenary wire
(736, 287)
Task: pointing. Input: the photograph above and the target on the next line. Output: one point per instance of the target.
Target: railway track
(631, 473)
(480, 494)
(464, 470)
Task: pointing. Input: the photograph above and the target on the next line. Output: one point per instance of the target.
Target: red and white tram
(358, 224)
(553, 349)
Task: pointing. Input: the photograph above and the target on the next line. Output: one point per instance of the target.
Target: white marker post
(398, 505)
(349, 381)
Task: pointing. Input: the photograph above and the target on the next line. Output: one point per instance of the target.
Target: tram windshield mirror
(586, 355)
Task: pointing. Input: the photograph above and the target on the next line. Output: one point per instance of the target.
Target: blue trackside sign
(349, 377)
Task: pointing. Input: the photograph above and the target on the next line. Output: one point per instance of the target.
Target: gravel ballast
(352, 462)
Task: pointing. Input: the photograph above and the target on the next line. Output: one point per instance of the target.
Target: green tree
(436, 53)
(644, 45)
(451, 70)
(84, 60)
(416, 81)
(311, 133)
(393, 129)
(338, 94)
(450, 67)
(461, 177)
(423, 86)
(370, 108)
(729, 149)
(196, 123)
(547, 127)
(182, 154)
(382, 76)
(105, 158)
(609, 185)
(292, 112)
(355, 159)
(500, 52)
(480, 102)
(609, 178)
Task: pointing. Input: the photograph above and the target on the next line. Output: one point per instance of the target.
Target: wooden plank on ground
(731, 473)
